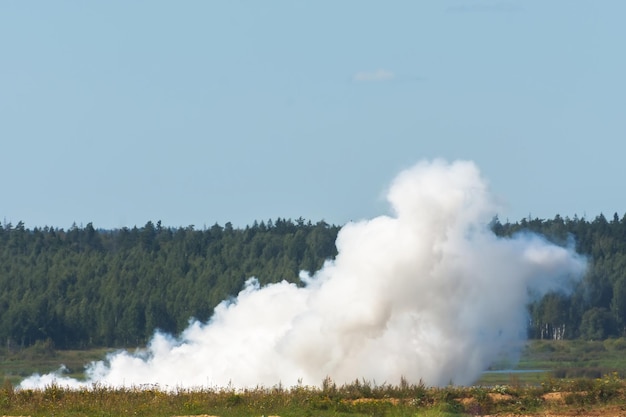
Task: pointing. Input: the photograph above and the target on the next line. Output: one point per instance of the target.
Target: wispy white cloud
(370, 76)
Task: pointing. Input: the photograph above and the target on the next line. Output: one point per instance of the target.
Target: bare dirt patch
(554, 397)
(201, 415)
(392, 401)
(605, 411)
(499, 398)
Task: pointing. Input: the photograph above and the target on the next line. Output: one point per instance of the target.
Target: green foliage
(614, 345)
(597, 323)
(86, 287)
(596, 309)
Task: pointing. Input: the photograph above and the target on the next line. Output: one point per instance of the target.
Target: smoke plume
(427, 293)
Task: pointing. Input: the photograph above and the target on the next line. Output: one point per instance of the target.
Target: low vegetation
(41, 358)
(576, 376)
(560, 359)
(359, 398)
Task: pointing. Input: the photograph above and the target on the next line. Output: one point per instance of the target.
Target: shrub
(615, 344)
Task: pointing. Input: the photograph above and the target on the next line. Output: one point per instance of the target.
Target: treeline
(596, 309)
(84, 287)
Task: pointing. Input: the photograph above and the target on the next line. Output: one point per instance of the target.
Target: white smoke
(428, 293)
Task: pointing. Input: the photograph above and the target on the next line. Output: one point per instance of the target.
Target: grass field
(554, 397)
(17, 365)
(577, 377)
(561, 359)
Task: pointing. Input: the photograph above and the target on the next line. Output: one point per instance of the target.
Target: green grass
(563, 359)
(588, 372)
(514, 379)
(351, 400)
(17, 365)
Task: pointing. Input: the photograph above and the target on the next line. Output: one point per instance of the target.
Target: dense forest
(85, 287)
(597, 307)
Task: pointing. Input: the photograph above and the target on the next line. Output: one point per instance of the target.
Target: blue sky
(199, 112)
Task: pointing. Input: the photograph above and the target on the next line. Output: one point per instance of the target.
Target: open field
(542, 359)
(553, 358)
(17, 365)
(577, 378)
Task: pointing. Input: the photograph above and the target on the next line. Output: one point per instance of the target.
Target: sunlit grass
(359, 398)
(566, 384)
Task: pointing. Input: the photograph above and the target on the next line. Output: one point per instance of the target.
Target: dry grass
(593, 397)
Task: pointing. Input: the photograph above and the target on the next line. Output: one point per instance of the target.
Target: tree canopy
(596, 309)
(85, 287)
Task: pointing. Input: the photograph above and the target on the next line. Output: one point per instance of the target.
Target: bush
(615, 344)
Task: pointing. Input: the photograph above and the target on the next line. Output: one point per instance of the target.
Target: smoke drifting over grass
(427, 293)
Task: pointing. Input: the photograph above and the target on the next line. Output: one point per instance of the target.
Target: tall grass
(360, 398)
(578, 374)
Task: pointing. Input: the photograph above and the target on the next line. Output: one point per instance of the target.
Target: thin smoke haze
(427, 293)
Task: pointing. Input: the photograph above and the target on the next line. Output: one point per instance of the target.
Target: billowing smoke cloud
(427, 293)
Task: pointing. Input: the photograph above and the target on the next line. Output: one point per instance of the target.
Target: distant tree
(597, 324)
(618, 304)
